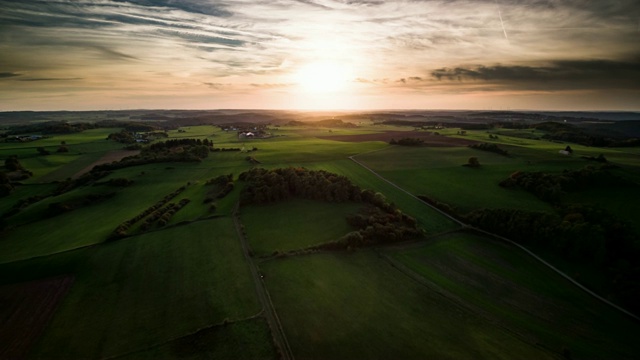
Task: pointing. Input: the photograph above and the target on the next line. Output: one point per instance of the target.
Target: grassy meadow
(514, 290)
(189, 289)
(358, 306)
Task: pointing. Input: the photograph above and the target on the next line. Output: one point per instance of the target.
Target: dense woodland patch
(379, 222)
(582, 234)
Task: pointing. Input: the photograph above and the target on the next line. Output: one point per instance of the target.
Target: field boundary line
(104, 242)
(455, 300)
(352, 158)
(556, 270)
(277, 332)
(496, 236)
(224, 323)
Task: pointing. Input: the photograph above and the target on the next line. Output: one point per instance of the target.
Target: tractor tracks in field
(279, 337)
(467, 227)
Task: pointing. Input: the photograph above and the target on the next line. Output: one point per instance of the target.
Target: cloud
(272, 85)
(396, 45)
(4, 75)
(557, 74)
(51, 79)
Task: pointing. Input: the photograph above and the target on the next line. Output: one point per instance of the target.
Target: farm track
(269, 310)
(465, 226)
(460, 303)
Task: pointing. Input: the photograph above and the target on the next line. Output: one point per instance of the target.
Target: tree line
(578, 233)
(490, 147)
(379, 222)
(407, 142)
(175, 150)
(550, 187)
(219, 187)
(156, 211)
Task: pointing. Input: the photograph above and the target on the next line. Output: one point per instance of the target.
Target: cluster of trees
(407, 142)
(570, 133)
(128, 134)
(226, 149)
(6, 187)
(380, 222)
(58, 208)
(120, 182)
(578, 233)
(334, 123)
(61, 149)
(13, 164)
(175, 143)
(252, 160)
(86, 179)
(447, 208)
(265, 186)
(22, 204)
(162, 216)
(376, 226)
(121, 230)
(489, 147)
(550, 187)
(472, 162)
(123, 136)
(221, 186)
(182, 150)
(52, 127)
(14, 171)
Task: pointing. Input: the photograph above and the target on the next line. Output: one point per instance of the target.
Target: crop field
(438, 173)
(191, 277)
(514, 290)
(112, 268)
(429, 219)
(285, 226)
(357, 305)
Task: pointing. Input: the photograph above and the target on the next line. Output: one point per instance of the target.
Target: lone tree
(473, 162)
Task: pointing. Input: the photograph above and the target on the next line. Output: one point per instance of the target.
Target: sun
(324, 77)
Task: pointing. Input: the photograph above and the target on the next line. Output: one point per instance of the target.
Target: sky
(320, 54)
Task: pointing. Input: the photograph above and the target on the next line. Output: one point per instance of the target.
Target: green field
(358, 306)
(295, 224)
(439, 174)
(193, 288)
(191, 277)
(519, 293)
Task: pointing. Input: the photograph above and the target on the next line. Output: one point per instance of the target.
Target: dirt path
(501, 238)
(109, 157)
(279, 336)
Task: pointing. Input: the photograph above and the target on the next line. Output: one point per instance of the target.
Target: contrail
(502, 22)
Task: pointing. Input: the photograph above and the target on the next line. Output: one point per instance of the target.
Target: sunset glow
(324, 77)
(365, 54)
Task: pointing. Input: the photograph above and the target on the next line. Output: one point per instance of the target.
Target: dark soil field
(429, 138)
(25, 311)
(109, 157)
